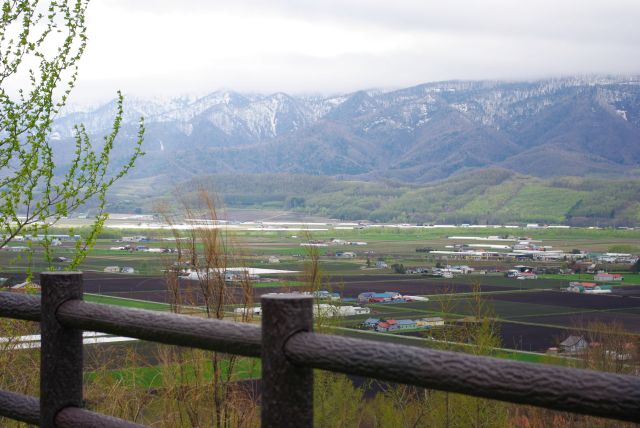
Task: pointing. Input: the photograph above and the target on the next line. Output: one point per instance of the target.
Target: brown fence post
(287, 389)
(61, 348)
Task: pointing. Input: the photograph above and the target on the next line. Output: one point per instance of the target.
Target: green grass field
(126, 303)
(185, 374)
(278, 284)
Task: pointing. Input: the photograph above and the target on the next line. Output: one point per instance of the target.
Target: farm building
(370, 323)
(325, 295)
(313, 244)
(373, 297)
(604, 276)
(430, 322)
(573, 344)
(382, 326)
(417, 270)
(16, 248)
(257, 310)
(388, 325)
(445, 273)
(463, 269)
(25, 287)
(521, 275)
(327, 310)
(345, 254)
(624, 353)
(364, 297)
(134, 239)
(617, 258)
(406, 324)
(522, 272)
(589, 288)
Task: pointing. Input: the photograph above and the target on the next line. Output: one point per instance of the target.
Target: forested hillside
(485, 196)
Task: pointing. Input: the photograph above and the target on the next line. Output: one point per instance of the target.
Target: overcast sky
(167, 47)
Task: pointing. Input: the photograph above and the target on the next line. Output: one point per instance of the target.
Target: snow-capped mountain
(569, 126)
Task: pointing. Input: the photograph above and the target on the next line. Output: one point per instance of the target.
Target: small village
(390, 325)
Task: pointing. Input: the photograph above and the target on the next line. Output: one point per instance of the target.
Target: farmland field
(534, 338)
(570, 300)
(531, 315)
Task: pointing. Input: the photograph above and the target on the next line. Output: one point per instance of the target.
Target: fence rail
(289, 351)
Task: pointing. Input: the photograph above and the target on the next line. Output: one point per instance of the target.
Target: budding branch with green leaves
(41, 43)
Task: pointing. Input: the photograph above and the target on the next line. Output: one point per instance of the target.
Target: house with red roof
(589, 288)
(604, 276)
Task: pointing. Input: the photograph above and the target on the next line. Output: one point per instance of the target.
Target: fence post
(61, 349)
(287, 390)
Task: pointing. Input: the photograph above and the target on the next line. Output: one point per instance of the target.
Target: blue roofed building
(406, 324)
(371, 322)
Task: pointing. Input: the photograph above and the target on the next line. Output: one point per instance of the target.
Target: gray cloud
(578, 20)
(337, 45)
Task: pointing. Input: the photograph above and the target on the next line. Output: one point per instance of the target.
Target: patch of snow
(461, 107)
(187, 128)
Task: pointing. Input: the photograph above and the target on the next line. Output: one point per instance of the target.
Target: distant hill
(549, 128)
(493, 196)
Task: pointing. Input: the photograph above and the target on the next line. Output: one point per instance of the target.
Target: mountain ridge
(570, 126)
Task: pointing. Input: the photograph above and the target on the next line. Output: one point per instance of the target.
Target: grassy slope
(153, 376)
